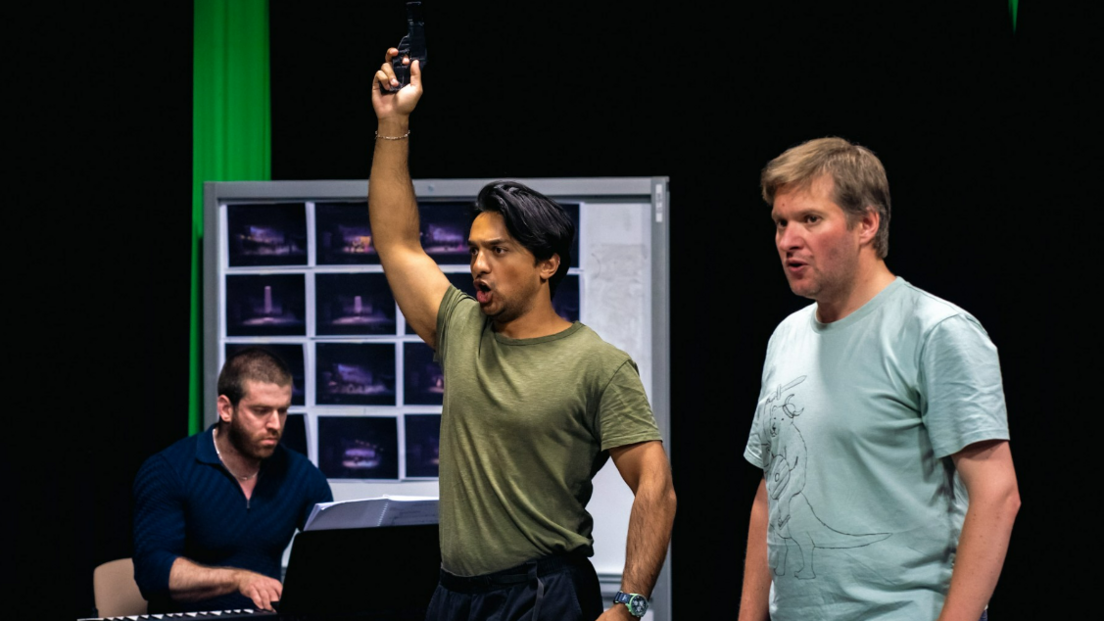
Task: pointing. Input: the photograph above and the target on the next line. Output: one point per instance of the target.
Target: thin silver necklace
(237, 476)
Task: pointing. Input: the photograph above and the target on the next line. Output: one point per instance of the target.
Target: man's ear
(549, 266)
(225, 409)
(869, 224)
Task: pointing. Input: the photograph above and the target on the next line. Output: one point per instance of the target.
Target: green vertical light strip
(231, 133)
(1013, 8)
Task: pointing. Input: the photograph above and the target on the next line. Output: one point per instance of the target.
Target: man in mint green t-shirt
(888, 488)
(534, 404)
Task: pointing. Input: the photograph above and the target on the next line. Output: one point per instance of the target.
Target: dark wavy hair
(537, 222)
(255, 364)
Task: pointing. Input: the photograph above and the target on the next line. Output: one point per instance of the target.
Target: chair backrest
(115, 590)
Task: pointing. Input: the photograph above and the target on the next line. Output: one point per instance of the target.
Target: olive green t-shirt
(526, 424)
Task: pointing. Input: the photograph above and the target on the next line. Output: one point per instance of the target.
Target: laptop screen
(381, 573)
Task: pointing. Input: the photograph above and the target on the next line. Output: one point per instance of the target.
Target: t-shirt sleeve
(449, 303)
(962, 392)
(753, 450)
(624, 414)
(158, 526)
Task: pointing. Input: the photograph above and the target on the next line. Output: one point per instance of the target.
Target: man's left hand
(619, 612)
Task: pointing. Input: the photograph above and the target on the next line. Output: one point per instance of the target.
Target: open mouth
(482, 292)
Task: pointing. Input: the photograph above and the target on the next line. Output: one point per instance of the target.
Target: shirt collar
(205, 448)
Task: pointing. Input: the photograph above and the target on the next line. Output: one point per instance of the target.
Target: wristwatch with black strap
(635, 602)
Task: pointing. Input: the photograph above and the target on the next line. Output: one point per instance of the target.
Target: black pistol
(411, 46)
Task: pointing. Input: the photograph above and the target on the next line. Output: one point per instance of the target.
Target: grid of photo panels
(303, 279)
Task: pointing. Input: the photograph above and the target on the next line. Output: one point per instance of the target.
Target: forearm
(757, 577)
(392, 205)
(650, 524)
(190, 581)
(987, 472)
(982, 547)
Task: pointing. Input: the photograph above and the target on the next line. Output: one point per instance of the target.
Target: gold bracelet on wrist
(403, 137)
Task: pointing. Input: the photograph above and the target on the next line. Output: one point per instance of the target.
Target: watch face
(637, 605)
(635, 602)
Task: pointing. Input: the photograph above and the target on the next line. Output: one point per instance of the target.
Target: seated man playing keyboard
(214, 512)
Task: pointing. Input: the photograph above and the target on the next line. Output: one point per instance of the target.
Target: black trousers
(553, 588)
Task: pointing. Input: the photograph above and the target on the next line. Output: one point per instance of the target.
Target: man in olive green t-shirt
(533, 407)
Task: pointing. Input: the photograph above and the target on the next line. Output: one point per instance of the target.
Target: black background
(990, 140)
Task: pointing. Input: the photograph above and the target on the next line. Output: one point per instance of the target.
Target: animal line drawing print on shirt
(795, 522)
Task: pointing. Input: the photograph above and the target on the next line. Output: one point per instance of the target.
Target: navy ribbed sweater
(187, 504)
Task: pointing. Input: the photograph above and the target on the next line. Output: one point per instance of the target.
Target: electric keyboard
(221, 615)
(248, 614)
(392, 570)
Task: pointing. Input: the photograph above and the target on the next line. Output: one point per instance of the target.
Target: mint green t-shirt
(525, 426)
(854, 429)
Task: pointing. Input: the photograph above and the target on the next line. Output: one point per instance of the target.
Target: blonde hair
(860, 183)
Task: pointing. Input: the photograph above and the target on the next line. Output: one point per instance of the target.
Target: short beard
(241, 442)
